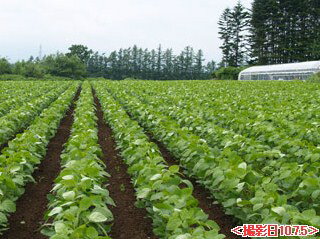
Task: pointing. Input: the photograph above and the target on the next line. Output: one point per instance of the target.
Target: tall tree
(225, 32)
(65, 66)
(239, 27)
(5, 67)
(198, 65)
(210, 68)
(233, 26)
(168, 64)
(159, 63)
(285, 31)
(81, 51)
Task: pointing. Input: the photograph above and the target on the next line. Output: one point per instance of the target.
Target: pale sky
(105, 25)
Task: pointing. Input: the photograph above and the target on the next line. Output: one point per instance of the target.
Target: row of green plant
(173, 208)
(285, 108)
(282, 118)
(289, 155)
(9, 89)
(22, 96)
(24, 153)
(78, 206)
(231, 180)
(20, 118)
(294, 174)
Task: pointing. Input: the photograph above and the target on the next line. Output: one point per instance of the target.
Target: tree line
(134, 62)
(59, 64)
(271, 32)
(155, 64)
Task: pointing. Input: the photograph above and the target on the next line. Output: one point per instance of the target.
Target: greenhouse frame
(290, 71)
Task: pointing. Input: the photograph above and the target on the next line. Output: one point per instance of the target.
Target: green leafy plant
(22, 93)
(24, 153)
(174, 210)
(19, 118)
(315, 78)
(240, 183)
(78, 207)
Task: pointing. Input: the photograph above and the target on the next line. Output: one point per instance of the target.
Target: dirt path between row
(25, 223)
(129, 221)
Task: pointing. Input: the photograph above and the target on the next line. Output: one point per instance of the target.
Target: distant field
(157, 159)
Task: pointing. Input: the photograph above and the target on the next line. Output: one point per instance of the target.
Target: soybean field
(101, 159)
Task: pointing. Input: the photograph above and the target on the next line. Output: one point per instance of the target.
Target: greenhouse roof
(303, 66)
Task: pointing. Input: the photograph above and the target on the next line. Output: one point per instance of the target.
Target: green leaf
(315, 194)
(279, 210)
(173, 223)
(85, 203)
(55, 211)
(48, 231)
(69, 195)
(3, 218)
(243, 165)
(97, 217)
(92, 233)
(8, 206)
(68, 177)
(174, 168)
(15, 169)
(143, 193)
(230, 202)
(61, 228)
(155, 177)
(257, 206)
(184, 236)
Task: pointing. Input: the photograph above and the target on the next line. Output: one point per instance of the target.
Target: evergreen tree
(155, 64)
(225, 32)
(239, 26)
(168, 64)
(198, 65)
(159, 63)
(233, 31)
(113, 71)
(210, 68)
(285, 31)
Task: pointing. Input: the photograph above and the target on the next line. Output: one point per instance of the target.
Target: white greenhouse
(289, 71)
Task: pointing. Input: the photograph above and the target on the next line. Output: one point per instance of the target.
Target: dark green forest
(271, 32)
(134, 62)
(155, 64)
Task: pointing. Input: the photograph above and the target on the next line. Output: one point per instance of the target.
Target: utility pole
(40, 52)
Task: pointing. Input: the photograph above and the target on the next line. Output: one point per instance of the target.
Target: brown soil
(129, 221)
(206, 201)
(25, 223)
